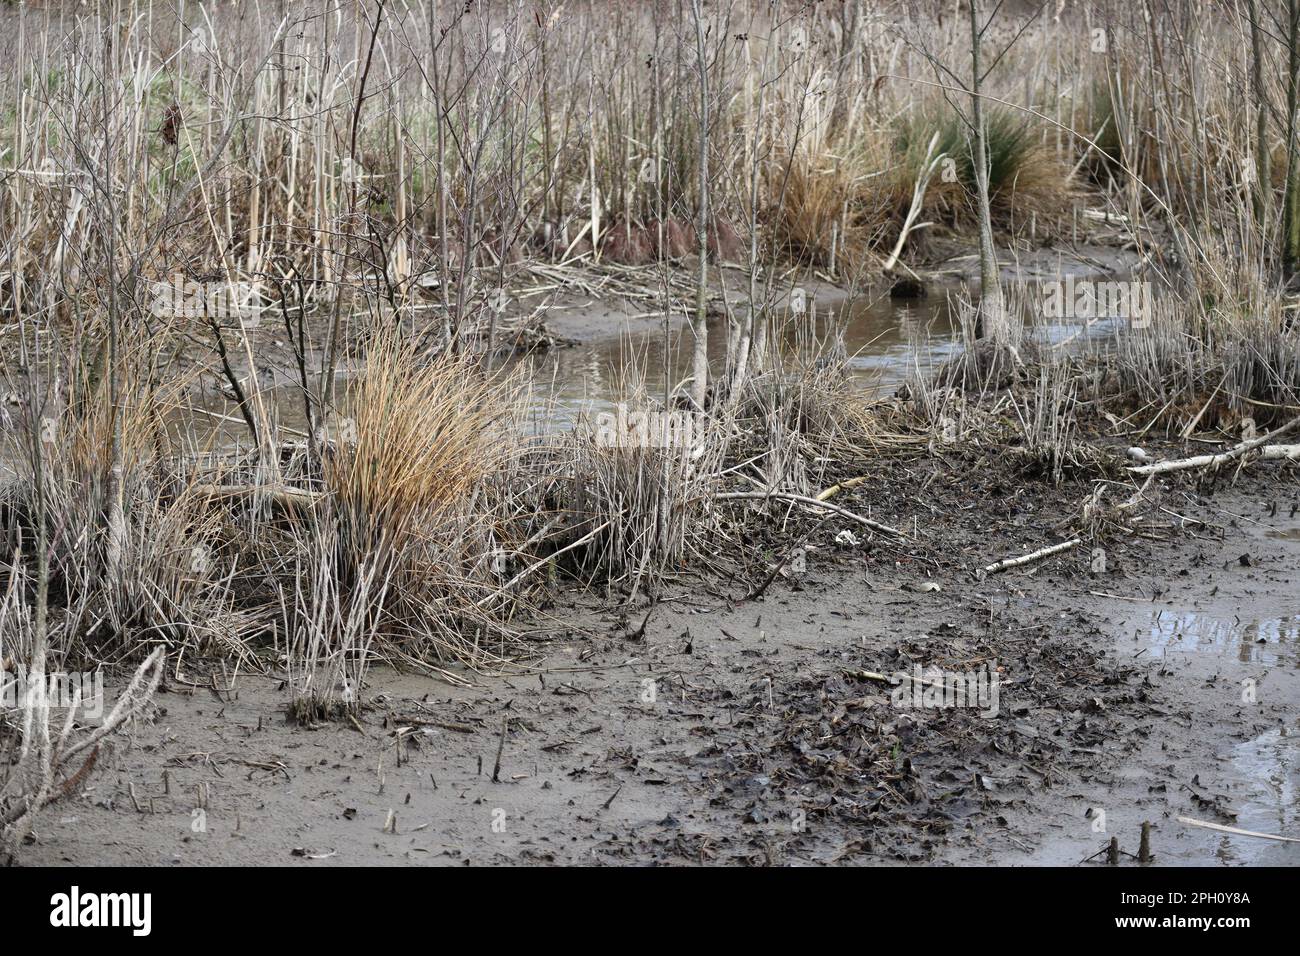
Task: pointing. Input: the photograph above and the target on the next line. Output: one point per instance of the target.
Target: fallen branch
(1270, 453)
(1280, 453)
(895, 679)
(30, 785)
(928, 167)
(1040, 554)
(1236, 831)
(1267, 453)
(810, 502)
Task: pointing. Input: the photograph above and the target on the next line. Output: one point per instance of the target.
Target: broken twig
(1040, 554)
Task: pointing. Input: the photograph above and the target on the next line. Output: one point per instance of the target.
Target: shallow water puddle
(1269, 641)
(883, 339)
(1271, 765)
(885, 342)
(1286, 534)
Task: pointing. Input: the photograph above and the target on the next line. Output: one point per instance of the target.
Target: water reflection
(1261, 641)
(885, 341)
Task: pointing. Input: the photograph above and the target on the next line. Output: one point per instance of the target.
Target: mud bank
(752, 732)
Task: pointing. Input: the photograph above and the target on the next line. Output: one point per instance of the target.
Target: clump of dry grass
(830, 213)
(132, 538)
(635, 485)
(1026, 178)
(1215, 368)
(417, 436)
(795, 418)
(393, 552)
(631, 489)
(842, 200)
(1048, 419)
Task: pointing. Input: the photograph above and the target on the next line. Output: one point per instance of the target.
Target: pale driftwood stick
(1137, 498)
(231, 418)
(1236, 831)
(844, 485)
(1267, 453)
(15, 824)
(810, 502)
(141, 689)
(1033, 556)
(1281, 453)
(1271, 453)
(928, 167)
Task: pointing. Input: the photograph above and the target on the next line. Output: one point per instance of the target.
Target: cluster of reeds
(1194, 146)
(420, 151)
(92, 553)
(395, 162)
(380, 533)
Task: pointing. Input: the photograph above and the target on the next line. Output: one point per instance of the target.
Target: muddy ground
(746, 732)
(766, 731)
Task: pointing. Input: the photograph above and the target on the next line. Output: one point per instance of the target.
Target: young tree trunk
(1263, 164)
(845, 87)
(700, 364)
(747, 329)
(1291, 198)
(992, 321)
(444, 258)
(116, 477)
